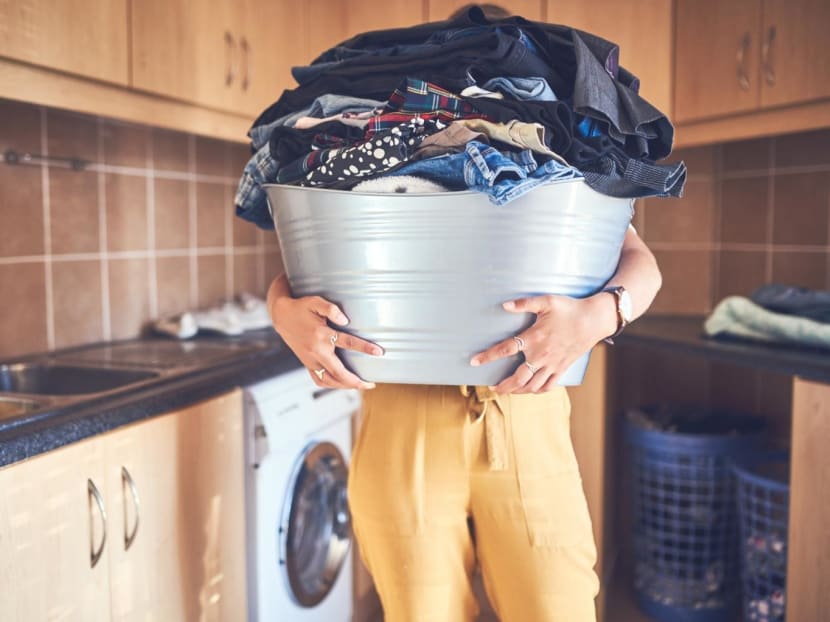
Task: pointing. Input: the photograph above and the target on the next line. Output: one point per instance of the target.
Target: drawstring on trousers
(478, 402)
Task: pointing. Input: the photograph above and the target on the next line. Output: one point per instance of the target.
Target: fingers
(550, 384)
(328, 310)
(350, 342)
(503, 349)
(339, 374)
(517, 381)
(325, 382)
(532, 304)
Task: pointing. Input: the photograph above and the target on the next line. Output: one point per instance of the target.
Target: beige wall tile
(172, 213)
(803, 149)
(211, 157)
(802, 269)
(126, 212)
(19, 127)
(699, 160)
(740, 273)
(78, 302)
(72, 135)
(802, 203)
(272, 259)
(213, 214)
(211, 279)
(746, 155)
(125, 145)
(238, 156)
(74, 211)
(245, 234)
(246, 268)
(170, 151)
(129, 287)
(173, 280)
(681, 220)
(687, 282)
(743, 210)
(23, 328)
(21, 211)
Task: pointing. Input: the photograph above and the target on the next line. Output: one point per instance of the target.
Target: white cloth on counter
(244, 313)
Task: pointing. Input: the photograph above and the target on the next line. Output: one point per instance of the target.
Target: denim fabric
(617, 175)
(528, 89)
(324, 106)
(250, 200)
(503, 176)
(813, 304)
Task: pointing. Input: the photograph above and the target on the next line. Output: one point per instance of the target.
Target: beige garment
(356, 119)
(453, 139)
(431, 460)
(517, 133)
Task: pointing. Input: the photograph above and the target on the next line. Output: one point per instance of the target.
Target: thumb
(532, 304)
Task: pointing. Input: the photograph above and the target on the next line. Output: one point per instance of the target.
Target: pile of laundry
(498, 106)
(774, 314)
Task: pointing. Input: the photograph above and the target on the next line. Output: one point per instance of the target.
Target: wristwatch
(624, 312)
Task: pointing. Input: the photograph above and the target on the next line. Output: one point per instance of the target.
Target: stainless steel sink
(48, 379)
(12, 407)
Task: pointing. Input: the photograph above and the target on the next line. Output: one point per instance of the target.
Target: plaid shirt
(417, 98)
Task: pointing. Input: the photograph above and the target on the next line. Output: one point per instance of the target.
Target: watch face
(625, 306)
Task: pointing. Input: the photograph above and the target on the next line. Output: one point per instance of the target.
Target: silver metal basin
(12, 407)
(46, 379)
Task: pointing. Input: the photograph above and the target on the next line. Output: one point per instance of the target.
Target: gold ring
(520, 343)
(533, 369)
(320, 372)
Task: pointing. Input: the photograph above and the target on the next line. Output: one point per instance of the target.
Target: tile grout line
(193, 231)
(770, 228)
(47, 232)
(207, 251)
(106, 309)
(152, 272)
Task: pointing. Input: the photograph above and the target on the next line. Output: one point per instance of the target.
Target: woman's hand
(301, 322)
(565, 329)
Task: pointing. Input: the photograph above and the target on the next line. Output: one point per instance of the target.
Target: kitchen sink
(50, 379)
(12, 407)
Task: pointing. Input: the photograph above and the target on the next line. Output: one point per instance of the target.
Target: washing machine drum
(315, 530)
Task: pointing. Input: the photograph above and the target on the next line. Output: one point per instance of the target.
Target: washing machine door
(315, 530)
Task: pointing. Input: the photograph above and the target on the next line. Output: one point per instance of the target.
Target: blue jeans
(503, 176)
(528, 89)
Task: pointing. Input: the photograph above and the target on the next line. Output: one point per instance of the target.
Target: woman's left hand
(565, 329)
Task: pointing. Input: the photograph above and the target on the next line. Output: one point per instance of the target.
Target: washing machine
(298, 526)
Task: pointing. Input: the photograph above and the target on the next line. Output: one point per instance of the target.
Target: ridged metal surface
(424, 275)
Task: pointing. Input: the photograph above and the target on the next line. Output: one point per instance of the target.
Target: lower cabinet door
(55, 533)
(176, 485)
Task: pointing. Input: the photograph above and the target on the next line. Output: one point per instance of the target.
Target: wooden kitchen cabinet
(172, 488)
(749, 55)
(50, 526)
(84, 37)
(529, 9)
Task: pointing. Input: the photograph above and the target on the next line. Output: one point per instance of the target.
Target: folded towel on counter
(231, 318)
(813, 304)
(737, 316)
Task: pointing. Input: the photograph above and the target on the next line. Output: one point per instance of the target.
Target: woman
(433, 463)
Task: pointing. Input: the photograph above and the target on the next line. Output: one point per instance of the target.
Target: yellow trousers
(444, 477)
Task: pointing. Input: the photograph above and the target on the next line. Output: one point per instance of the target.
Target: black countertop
(685, 334)
(25, 436)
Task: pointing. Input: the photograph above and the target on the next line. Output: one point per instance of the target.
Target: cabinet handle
(127, 479)
(766, 56)
(95, 555)
(743, 48)
(230, 56)
(246, 63)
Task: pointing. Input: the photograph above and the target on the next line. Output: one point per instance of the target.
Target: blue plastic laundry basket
(763, 508)
(684, 519)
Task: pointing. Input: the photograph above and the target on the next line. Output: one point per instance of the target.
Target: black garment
(579, 66)
(289, 143)
(812, 304)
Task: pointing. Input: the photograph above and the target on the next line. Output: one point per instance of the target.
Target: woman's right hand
(301, 322)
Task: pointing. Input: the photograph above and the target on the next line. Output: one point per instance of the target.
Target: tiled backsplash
(755, 211)
(145, 230)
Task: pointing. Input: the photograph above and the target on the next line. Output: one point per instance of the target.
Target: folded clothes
(244, 313)
(515, 133)
(737, 316)
(813, 304)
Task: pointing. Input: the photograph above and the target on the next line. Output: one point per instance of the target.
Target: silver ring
(533, 369)
(520, 343)
(320, 372)
(333, 339)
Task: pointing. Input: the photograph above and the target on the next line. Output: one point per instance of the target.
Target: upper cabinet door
(362, 16)
(529, 9)
(717, 53)
(85, 37)
(642, 29)
(795, 51)
(188, 49)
